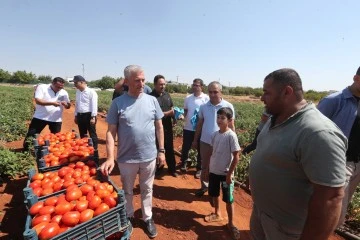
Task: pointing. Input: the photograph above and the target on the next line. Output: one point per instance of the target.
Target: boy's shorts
(214, 187)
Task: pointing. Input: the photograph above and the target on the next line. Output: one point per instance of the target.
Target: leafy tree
(106, 82)
(5, 76)
(23, 77)
(45, 78)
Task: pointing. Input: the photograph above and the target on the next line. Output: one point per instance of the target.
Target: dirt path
(178, 213)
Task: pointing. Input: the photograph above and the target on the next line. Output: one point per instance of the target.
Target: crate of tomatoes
(59, 154)
(94, 210)
(50, 183)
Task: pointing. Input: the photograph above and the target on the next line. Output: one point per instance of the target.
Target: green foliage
(45, 79)
(315, 96)
(14, 164)
(16, 109)
(5, 76)
(23, 77)
(104, 83)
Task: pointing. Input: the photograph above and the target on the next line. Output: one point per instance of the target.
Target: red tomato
(76, 174)
(86, 215)
(79, 164)
(46, 191)
(66, 184)
(51, 201)
(56, 219)
(110, 188)
(103, 207)
(63, 208)
(100, 186)
(39, 227)
(78, 180)
(34, 209)
(37, 176)
(71, 218)
(49, 231)
(49, 184)
(86, 188)
(92, 171)
(81, 205)
(73, 194)
(102, 193)
(57, 186)
(40, 218)
(61, 199)
(63, 228)
(110, 201)
(47, 210)
(63, 171)
(90, 195)
(94, 202)
(68, 176)
(35, 184)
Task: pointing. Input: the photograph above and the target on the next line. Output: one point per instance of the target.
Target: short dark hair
(157, 77)
(226, 111)
(58, 79)
(287, 77)
(199, 80)
(358, 72)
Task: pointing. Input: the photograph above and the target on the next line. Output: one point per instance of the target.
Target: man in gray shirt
(297, 173)
(135, 117)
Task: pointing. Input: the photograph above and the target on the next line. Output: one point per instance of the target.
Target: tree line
(106, 82)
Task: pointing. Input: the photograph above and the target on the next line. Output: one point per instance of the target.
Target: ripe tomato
(92, 171)
(66, 184)
(49, 184)
(56, 219)
(40, 218)
(34, 209)
(71, 218)
(49, 231)
(86, 215)
(86, 188)
(78, 180)
(57, 186)
(35, 184)
(94, 202)
(46, 210)
(46, 191)
(103, 207)
(63, 228)
(73, 194)
(79, 165)
(100, 186)
(37, 176)
(102, 193)
(51, 201)
(39, 227)
(81, 205)
(37, 191)
(110, 201)
(90, 195)
(62, 208)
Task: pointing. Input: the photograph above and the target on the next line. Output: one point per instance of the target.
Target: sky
(235, 42)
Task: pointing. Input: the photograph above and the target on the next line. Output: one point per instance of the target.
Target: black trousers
(37, 125)
(188, 138)
(83, 121)
(169, 149)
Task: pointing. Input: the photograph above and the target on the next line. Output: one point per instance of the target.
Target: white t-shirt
(224, 144)
(50, 113)
(191, 103)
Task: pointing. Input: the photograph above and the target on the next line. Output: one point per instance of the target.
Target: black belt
(83, 114)
(354, 159)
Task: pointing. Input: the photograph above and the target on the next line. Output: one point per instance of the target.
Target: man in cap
(343, 109)
(86, 108)
(50, 99)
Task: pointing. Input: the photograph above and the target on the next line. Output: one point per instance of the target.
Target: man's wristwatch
(161, 150)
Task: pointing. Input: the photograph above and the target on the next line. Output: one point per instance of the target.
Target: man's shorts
(214, 187)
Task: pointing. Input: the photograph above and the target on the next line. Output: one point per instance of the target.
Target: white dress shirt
(86, 101)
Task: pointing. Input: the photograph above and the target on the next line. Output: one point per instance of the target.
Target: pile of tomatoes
(43, 184)
(57, 137)
(71, 150)
(77, 205)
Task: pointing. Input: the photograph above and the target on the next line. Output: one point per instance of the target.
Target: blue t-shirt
(135, 118)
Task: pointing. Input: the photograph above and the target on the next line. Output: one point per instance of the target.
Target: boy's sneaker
(198, 174)
(151, 228)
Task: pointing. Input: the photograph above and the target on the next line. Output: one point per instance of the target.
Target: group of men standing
(305, 161)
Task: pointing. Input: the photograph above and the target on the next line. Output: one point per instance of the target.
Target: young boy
(224, 158)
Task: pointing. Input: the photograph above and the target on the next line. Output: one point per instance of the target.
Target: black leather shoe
(150, 228)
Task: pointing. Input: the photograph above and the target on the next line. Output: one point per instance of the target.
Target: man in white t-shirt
(192, 105)
(51, 99)
(206, 126)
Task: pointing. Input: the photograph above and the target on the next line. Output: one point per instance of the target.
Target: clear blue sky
(238, 42)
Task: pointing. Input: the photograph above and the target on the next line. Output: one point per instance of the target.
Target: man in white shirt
(192, 105)
(205, 128)
(86, 108)
(50, 99)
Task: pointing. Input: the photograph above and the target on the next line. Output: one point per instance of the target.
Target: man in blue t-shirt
(343, 109)
(135, 117)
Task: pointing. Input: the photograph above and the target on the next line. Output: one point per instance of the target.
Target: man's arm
(169, 113)
(323, 213)
(160, 138)
(232, 125)
(198, 130)
(109, 164)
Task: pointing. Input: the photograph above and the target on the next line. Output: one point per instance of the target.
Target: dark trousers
(169, 149)
(188, 138)
(83, 121)
(37, 125)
